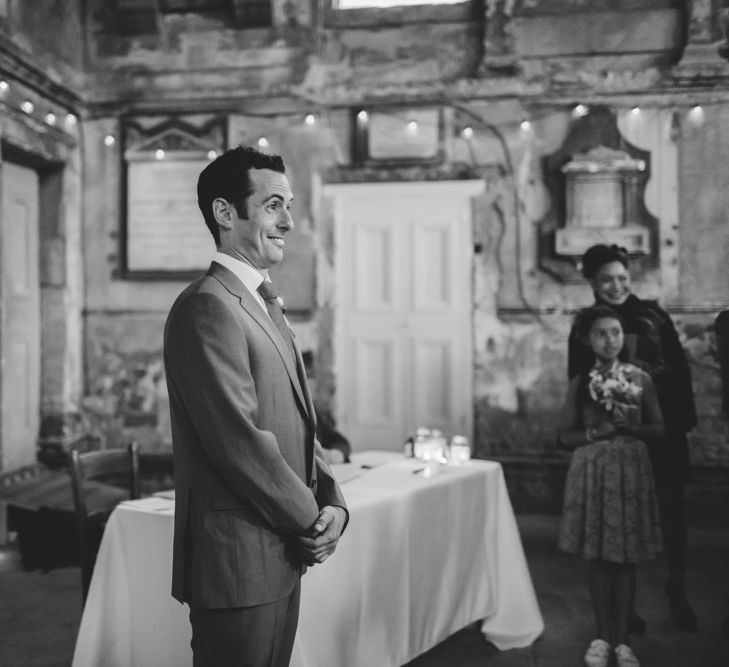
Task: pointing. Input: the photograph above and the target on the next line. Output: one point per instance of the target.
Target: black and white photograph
(364, 333)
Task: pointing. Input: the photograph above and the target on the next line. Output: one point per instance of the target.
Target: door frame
(345, 194)
(50, 222)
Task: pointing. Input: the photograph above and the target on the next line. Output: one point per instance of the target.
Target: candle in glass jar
(460, 451)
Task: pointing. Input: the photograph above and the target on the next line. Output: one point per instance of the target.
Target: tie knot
(268, 291)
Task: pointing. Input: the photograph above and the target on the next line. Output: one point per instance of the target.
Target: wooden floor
(39, 613)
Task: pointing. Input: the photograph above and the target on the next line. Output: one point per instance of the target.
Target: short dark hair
(227, 177)
(588, 316)
(598, 255)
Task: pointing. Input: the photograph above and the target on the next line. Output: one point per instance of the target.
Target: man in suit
(255, 503)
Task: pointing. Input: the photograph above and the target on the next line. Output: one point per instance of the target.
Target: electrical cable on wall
(509, 165)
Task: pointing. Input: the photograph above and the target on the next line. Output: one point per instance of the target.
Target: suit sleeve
(210, 369)
(328, 491)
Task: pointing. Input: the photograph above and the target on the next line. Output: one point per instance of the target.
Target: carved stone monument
(602, 203)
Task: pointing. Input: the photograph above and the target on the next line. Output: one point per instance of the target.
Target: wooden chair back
(90, 520)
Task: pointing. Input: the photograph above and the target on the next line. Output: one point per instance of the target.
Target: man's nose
(285, 219)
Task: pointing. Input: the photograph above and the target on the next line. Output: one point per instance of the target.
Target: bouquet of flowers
(614, 389)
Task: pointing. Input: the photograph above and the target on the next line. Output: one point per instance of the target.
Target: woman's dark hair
(588, 316)
(598, 255)
(227, 177)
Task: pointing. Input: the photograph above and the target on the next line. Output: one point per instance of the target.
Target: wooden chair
(94, 500)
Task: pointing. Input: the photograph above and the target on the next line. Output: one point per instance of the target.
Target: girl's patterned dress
(610, 510)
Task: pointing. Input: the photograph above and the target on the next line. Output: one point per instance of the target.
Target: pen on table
(417, 470)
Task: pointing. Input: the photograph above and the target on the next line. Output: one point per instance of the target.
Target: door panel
(376, 388)
(373, 261)
(19, 316)
(432, 365)
(432, 266)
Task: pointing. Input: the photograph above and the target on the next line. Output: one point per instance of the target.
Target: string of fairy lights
(695, 114)
(53, 115)
(15, 95)
(467, 124)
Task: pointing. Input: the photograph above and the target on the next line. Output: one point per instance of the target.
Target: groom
(254, 501)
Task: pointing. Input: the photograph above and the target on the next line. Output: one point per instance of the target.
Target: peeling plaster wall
(42, 61)
(49, 34)
(703, 161)
(490, 67)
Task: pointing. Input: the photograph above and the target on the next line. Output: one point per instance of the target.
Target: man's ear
(222, 213)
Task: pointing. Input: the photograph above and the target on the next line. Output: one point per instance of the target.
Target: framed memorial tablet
(163, 233)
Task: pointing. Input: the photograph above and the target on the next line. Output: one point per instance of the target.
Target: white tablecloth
(422, 558)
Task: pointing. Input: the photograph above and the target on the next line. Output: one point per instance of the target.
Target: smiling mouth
(277, 240)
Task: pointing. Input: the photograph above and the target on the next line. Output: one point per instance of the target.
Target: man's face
(259, 238)
(612, 283)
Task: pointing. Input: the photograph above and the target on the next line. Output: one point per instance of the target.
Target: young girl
(610, 514)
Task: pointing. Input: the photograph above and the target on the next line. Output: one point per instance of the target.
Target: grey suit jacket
(248, 475)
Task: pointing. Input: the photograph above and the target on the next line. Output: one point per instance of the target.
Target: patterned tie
(271, 296)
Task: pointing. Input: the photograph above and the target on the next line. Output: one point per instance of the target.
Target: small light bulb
(696, 115)
(212, 155)
(635, 110)
(263, 142)
(525, 126)
(362, 116)
(412, 127)
(70, 119)
(467, 132)
(580, 110)
(310, 119)
(27, 106)
(51, 118)
(109, 140)
(4, 85)
(159, 154)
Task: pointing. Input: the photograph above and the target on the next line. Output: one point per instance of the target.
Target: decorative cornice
(18, 68)
(390, 172)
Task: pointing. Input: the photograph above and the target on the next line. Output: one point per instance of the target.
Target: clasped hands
(321, 540)
(616, 424)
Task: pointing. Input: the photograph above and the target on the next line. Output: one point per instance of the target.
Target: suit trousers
(259, 636)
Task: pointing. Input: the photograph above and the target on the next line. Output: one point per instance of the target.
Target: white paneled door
(404, 350)
(19, 316)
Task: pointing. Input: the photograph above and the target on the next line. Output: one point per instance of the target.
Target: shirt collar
(249, 276)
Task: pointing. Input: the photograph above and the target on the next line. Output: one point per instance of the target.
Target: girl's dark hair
(598, 255)
(588, 316)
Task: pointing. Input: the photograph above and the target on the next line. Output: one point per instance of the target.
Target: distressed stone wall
(42, 73)
(48, 34)
(490, 66)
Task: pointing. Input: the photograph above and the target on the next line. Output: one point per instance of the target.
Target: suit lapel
(252, 307)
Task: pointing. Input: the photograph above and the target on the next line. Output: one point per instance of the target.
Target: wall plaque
(602, 203)
(398, 135)
(164, 235)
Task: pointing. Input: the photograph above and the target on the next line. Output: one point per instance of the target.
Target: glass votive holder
(460, 450)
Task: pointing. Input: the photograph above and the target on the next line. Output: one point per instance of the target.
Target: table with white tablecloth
(424, 555)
